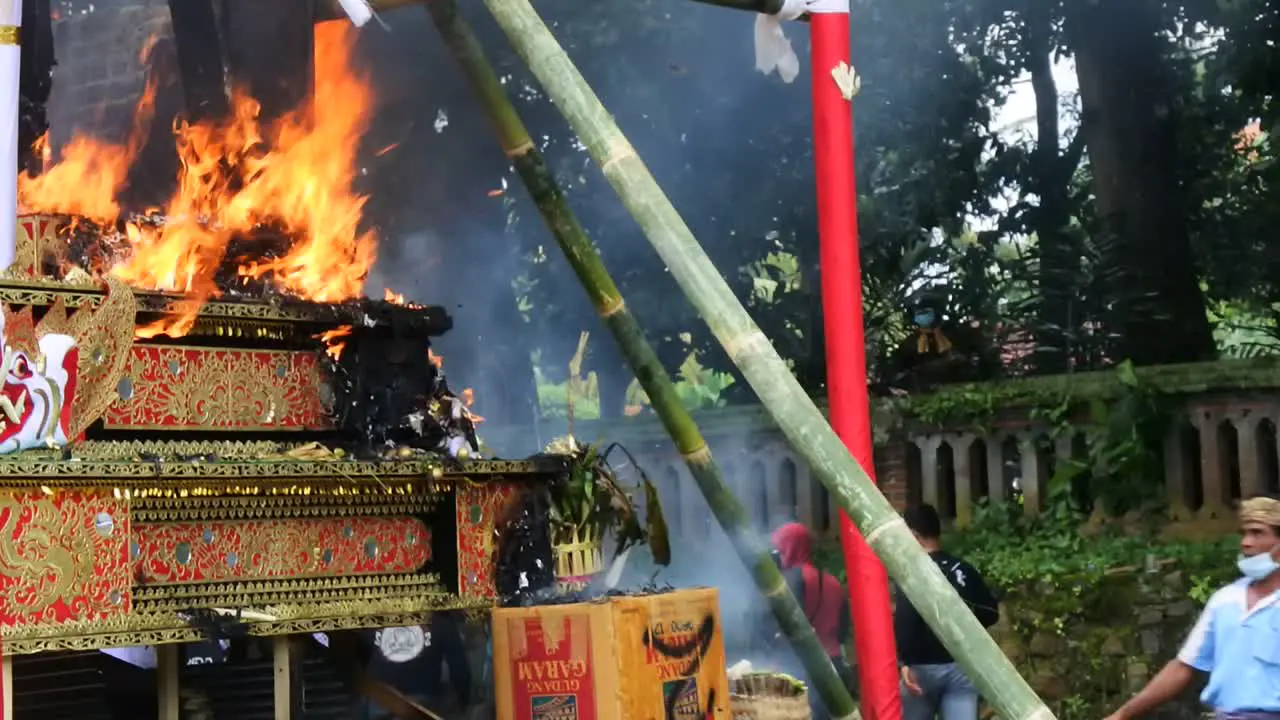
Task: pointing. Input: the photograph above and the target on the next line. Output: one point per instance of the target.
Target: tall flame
(237, 175)
(85, 180)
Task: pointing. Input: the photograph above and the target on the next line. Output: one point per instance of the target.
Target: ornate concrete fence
(996, 442)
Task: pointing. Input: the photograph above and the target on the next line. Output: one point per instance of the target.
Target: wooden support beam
(270, 50)
(200, 58)
(168, 694)
(6, 688)
(284, 678)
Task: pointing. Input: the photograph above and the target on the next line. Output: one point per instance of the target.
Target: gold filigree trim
(137, 449)
(280, 507)
(10, 35)
(45, 292)
(381, 584)
(18, 470)
(160, 630)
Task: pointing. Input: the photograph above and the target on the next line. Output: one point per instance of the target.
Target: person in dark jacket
(932, 684)
(822, 597)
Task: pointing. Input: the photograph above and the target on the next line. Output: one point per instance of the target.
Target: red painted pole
(846, 350)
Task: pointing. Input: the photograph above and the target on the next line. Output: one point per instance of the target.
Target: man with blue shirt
(1237, 639)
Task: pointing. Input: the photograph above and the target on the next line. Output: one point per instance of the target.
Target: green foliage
(590, 501)
(1015, 550)
(1122, 467)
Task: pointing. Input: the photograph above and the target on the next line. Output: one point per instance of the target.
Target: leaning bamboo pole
(749, 349)
(604, 295)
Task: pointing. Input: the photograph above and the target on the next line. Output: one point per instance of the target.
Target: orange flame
(42, 148)
(333, 348)
(238, 175)
(392, 297)
(85, 180)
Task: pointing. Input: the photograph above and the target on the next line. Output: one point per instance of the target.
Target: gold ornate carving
(152, 628)
(62, 557)
(10, 34)
(175, 388)
(46, 292)
(204, 551)
(152, 450)
(22, 469)
(161, 509)
(34, 233)
(103, 336)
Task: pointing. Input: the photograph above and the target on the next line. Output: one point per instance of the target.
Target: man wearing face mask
(1237, 639)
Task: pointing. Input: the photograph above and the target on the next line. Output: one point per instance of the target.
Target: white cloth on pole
(10, 58)
(358, 10)
(773, 48)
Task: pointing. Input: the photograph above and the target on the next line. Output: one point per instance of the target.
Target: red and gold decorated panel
(189, 388)
(35, 233)
(63, 557)
(480, 507)
(188, 552)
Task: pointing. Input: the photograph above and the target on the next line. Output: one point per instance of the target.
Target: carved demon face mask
(38, 385)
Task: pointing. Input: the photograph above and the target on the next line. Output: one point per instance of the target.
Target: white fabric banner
(773, 49)
(10, 57)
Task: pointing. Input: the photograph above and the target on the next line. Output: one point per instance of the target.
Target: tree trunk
(603, 293)
(1051, 172)
(1130, 125)
(791, 408)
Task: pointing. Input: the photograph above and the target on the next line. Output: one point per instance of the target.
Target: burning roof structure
(200, 411)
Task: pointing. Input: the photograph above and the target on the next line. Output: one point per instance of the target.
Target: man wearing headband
(1237, 639)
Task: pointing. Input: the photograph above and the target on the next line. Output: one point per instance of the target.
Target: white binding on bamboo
(773, 49)
(10, 59)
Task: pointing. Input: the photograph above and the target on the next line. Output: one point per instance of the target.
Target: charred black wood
(35, 81)
(525, 572)
(400, 319)
(271, 51)
(200, 58)
(214, 625)
(390, 394)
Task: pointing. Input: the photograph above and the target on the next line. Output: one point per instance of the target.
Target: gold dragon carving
(60, 561)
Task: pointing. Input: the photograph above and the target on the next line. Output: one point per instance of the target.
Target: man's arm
(975, 593)
(1173, 678)
(906, 625)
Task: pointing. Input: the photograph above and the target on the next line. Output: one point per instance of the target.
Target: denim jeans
(947, 694)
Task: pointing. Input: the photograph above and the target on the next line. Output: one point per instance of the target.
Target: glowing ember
(238, 176)
(434, 359)
(331, 339)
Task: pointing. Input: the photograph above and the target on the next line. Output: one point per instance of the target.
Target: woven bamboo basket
(577, 561)
(768, 696)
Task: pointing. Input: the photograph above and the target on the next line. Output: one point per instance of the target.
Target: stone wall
(1087, 649)
(100, 74)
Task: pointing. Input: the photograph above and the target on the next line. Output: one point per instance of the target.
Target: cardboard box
(653, 657)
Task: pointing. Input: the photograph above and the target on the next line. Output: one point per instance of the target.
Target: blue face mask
(1257, 567)
(924, 318)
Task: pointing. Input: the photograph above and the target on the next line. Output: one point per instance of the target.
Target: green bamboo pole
(603, 292)
(796, 414)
